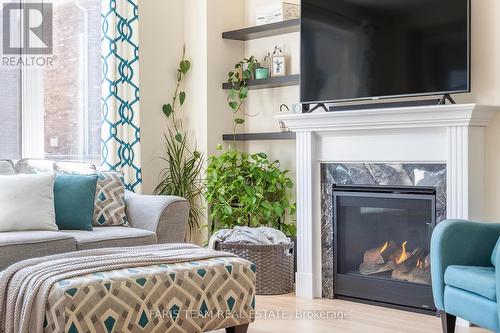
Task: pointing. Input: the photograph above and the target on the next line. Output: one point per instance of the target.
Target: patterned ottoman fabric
(190, 297)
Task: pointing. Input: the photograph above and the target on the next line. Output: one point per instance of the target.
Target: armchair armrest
(165, 215)
(459, 242)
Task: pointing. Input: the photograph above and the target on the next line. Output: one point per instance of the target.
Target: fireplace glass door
(383, 243)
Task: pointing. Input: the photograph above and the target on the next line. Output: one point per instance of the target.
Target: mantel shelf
(272, 82)
(259, 136)
(262, 31)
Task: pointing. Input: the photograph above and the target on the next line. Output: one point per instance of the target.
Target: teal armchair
(465, 282)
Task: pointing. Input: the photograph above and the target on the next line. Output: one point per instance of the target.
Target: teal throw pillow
(74, 197)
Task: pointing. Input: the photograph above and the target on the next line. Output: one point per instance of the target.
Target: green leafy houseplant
(248, 190)
(245, 189)
(182, 175)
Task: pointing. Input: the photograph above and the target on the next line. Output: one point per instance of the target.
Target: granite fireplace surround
(409, 174)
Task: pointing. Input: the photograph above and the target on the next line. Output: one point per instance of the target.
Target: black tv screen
(362, 49)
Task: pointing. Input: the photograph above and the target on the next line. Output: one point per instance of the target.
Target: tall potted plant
(182, 175)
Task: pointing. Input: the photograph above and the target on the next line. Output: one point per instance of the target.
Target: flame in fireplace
(386, 245)
(404, 255)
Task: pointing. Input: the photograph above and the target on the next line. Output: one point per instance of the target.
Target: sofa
(151, 220)
(465, 278)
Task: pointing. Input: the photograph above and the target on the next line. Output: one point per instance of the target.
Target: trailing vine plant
(238, 91)
(182, 175)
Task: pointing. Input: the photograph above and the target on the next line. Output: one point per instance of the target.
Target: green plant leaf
(243, 92)
(178, 137)
(184, 66)
(233, 105)
(247, 75)
(239, 121)
(167, 110)
(182, 97)
(278, 210)
(262, 155)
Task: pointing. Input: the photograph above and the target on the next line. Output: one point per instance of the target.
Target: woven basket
(274, 263)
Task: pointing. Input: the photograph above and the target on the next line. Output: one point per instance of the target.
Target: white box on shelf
(276, 13)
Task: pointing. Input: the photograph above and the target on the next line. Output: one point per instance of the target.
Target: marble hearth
(382, 146)
(395, 174)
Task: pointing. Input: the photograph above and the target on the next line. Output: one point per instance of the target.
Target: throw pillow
(74, 201)
(6, 168)
(75, 167)
(33, 165)
(27, 203)
(110, 200)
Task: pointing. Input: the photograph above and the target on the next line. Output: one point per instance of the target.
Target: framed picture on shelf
(278, 66)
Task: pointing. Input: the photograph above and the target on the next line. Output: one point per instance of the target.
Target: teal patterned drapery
(120, 132)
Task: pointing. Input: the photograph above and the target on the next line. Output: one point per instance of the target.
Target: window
(10, 97)
(57, 111)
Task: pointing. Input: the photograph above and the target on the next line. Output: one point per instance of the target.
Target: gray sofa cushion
(17, 246)
(111, 237)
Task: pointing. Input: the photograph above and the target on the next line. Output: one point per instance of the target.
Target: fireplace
(381, 244)
(439, 146)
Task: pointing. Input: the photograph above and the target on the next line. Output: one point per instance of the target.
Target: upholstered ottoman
(195, 296)
(157, 288)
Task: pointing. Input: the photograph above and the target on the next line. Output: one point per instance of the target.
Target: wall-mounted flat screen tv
(370, 49)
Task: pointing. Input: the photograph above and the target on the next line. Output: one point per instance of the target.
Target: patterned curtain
(120, 90)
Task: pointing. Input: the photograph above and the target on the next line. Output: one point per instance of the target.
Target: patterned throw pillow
(110, 200)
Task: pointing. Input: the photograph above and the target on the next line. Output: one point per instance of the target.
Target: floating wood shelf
(272, 82)
(259, 136)
(262, 31)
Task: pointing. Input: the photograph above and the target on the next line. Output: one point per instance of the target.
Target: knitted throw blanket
(25, 286)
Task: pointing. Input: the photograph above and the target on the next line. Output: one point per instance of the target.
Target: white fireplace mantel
(451, 134)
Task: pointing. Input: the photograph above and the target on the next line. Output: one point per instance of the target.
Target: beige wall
(161, 32)
(223, 15)
(486, 90)
(487, 62)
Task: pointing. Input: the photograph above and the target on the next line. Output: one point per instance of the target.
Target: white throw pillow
(27, 202)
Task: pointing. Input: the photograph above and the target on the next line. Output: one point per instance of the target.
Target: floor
(289, 314)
